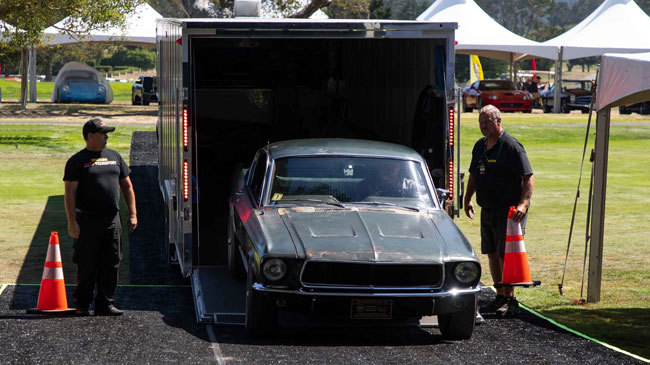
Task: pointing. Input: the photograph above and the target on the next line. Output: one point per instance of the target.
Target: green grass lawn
(11, 90)
(31, 191)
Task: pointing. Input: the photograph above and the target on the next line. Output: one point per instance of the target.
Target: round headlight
(572, 98)
(66, 88)
(466, 272)
(101, 88)
(274, 269)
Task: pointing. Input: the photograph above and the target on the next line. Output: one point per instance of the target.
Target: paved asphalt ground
(159, 325)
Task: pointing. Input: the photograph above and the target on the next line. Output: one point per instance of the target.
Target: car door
(249, 206)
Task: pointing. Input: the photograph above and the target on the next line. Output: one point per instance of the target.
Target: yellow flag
(475, 69)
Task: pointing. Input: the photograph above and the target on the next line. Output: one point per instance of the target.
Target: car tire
(133, 102)
(459, 325)
(564, 108)
(261, 313)
(624, 111)
(466, 109)
(548, 109)
(235, 264)
(145, 101)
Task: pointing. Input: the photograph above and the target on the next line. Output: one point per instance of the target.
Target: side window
(256, 183)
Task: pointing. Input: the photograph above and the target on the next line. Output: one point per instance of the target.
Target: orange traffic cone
(515, 261)
(52, 297)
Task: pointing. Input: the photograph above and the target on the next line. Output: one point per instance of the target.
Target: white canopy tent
(622, 79)
(615, 26)
(139, 30)
(481, 35)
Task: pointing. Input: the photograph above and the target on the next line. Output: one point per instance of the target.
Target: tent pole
(31, 74)
(558, 82)
(512, 67)
(598, 212)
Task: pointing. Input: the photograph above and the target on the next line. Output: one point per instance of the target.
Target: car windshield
(576, 85)
(81, 75)
(374, 181)
(496, 85)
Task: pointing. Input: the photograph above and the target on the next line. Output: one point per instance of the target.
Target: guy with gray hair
(501, 176)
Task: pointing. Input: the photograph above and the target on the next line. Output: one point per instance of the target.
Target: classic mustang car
(501, 93)
(351, 228)
(575, 95)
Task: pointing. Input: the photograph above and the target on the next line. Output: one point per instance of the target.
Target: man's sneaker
(493, 306)
(111, 310)
(510, 308)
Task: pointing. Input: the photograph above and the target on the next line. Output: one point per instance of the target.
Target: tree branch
(311, 8)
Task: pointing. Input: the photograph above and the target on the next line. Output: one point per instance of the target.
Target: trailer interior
(247, 92)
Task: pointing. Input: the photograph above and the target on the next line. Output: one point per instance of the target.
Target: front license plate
(371, 309)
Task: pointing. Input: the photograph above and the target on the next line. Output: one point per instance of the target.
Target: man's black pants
(97, 254)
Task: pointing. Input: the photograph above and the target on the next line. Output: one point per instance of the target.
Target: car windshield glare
(497, 85)
(348, 180)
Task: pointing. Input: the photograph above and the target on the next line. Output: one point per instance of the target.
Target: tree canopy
(24, 21)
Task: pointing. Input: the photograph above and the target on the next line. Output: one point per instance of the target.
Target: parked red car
(501, 93)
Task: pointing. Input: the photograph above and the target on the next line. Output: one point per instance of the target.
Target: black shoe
(493, 306)
(510, 308)
(111, 310)
(81, 312)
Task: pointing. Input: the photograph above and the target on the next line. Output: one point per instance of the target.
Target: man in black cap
(93, 179)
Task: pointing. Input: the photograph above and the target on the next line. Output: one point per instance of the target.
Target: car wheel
(625, 111)
(145, 101)
(564, 108)
(235, 264)
(133, 100)
(459, 325)
(466, 109)
(547, 108)
(261, 314)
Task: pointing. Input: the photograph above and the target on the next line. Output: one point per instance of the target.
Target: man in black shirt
(93, 179)
(501, 176)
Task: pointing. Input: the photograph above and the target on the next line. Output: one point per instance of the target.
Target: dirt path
(115, 113)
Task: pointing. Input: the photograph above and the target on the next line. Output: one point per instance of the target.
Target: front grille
(511, 105)
(325, 273)
(583, 100)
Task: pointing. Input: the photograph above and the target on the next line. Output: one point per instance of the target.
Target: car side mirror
(443, 194)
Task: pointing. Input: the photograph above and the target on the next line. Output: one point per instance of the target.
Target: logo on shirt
(102, 161)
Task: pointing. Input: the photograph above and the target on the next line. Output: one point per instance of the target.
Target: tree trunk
(24, 56)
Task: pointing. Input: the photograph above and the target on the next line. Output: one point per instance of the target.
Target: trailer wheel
(235, 264)
(459, 325)
(261, 313)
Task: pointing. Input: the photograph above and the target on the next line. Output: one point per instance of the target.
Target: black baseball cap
(96, 125)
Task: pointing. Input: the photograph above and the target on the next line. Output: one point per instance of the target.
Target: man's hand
(469, 210)
(73, 229)
(520, 212)
(133, 223)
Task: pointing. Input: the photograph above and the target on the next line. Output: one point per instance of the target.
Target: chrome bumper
(442, 294)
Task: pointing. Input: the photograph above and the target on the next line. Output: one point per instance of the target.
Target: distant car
(351, 228)
(641, 108)
(501, 93)
(80, 86)
(575, 95)
(144, 90)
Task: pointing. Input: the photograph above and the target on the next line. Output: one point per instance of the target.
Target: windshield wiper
(387, 204)
(340, 205)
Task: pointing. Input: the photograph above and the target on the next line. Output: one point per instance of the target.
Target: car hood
(506, 94)
(373, 234)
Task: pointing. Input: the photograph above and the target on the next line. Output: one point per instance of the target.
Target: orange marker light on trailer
(451, 126)
(186, 180)
(186, 139)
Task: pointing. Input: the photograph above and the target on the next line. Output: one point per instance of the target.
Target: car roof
(340, 146)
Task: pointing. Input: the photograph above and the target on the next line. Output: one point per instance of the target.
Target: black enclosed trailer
(229, 86)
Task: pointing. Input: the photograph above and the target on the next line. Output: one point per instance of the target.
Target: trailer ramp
(218, 298)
